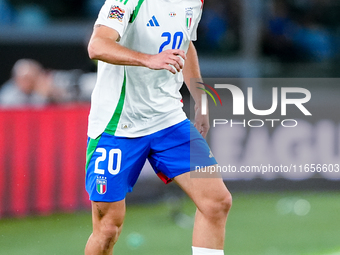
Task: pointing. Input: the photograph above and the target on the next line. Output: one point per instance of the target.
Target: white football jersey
(134, 101)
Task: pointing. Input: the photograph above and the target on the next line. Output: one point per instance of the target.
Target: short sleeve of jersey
(194, 30)
(116, 14)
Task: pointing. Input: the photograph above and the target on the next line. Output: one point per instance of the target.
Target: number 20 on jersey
(176, 40)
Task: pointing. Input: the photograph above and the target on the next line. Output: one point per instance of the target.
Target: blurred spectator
(315, 40)
(6, 13)
(311, 34)
(213, 26)
(277, 37)
(56, 8)
(92, 7)
(294, 31)
(32, 85)
(32, 16)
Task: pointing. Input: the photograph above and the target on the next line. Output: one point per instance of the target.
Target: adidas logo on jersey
(153, 22)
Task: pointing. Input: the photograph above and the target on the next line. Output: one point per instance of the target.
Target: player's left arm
(192, 75)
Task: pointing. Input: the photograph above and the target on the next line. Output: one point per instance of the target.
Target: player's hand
(171, 60)
(201, 122)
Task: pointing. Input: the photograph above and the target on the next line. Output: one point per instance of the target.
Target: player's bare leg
(107, 220)
(213, 202)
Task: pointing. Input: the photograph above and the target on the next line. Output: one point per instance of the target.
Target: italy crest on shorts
(101, 185)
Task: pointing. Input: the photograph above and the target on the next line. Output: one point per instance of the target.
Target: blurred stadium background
(43, 206)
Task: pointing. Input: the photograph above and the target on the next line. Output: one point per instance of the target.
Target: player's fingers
(176, 66)
(202, 129)
(205, 130)
(170, 68)
(178, 61)
(197, 126)
(204, 134)
(180, 53)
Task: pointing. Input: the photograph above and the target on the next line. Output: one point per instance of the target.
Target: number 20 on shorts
(114, 162)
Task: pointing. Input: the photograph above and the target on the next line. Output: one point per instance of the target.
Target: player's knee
(219, 207)
(223, 204)
(109, 235)
(227, 202)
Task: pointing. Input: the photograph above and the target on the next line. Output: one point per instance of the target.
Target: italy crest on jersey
(188, 16)
(116, 13)
(101, 185)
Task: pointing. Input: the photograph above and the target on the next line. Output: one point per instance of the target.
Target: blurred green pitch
(259, 224)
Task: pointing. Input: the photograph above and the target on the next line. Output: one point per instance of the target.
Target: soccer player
(145, 48)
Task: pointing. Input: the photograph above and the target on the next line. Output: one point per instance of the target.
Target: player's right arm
(103, 46)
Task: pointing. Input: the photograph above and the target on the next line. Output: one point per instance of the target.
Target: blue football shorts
(114, 163)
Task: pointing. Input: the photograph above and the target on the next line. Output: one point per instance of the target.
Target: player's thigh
(113, 166)
(206, 192)
(108, 217)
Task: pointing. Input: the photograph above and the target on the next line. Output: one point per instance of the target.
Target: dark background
(283, 38)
